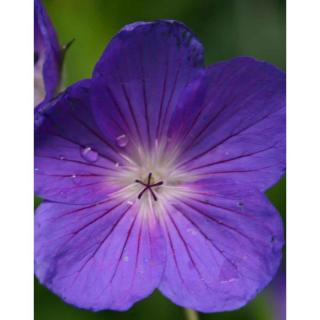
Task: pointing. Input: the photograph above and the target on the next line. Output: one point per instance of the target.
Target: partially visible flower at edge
(277, 295)
(153, 174)
(47, 56)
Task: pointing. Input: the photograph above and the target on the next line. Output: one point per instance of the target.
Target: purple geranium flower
(153, 174)
(47, 56)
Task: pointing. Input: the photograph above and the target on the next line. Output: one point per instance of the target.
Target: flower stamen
(149, 186)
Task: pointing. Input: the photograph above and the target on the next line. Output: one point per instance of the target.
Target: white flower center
(152, 179)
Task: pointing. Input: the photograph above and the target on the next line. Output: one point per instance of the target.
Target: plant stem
(191, 314)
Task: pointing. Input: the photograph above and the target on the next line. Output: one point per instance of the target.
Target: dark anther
(149, 186)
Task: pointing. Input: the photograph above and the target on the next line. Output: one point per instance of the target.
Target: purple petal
(223, 246)
(231, 123)
(102, 256)
(48, 56)
(74, 162)
(139, 79)
(277, 295)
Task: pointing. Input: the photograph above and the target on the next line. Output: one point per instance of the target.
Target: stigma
(148, 186)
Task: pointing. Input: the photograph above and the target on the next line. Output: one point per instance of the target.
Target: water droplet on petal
(117, 164)
(36, 169)
(130, 203)
(122, 140)
(192, 231)
(88, 154)
(61, 157)
(125, 258)
(75, 179)
(228, 273)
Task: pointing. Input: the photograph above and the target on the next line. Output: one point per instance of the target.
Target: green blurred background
(227, 28)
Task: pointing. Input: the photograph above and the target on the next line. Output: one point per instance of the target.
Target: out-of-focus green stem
(191, 314)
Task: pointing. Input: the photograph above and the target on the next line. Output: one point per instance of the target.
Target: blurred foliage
(227, 29)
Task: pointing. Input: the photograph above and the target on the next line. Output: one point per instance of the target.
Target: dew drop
(75, 179)
(125, 258)
(36, 169)
(192, 231)
(228, 273)
(117, 164)
(61, 157)
(88, 154)
(130, 203)
(122, 141)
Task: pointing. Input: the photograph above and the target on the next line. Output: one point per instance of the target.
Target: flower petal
(224, 246)
(140, 76)
(74, 162)
(102, 256)
(231, 123)
(48, 53)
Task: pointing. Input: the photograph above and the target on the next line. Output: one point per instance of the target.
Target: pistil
(149, 186)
